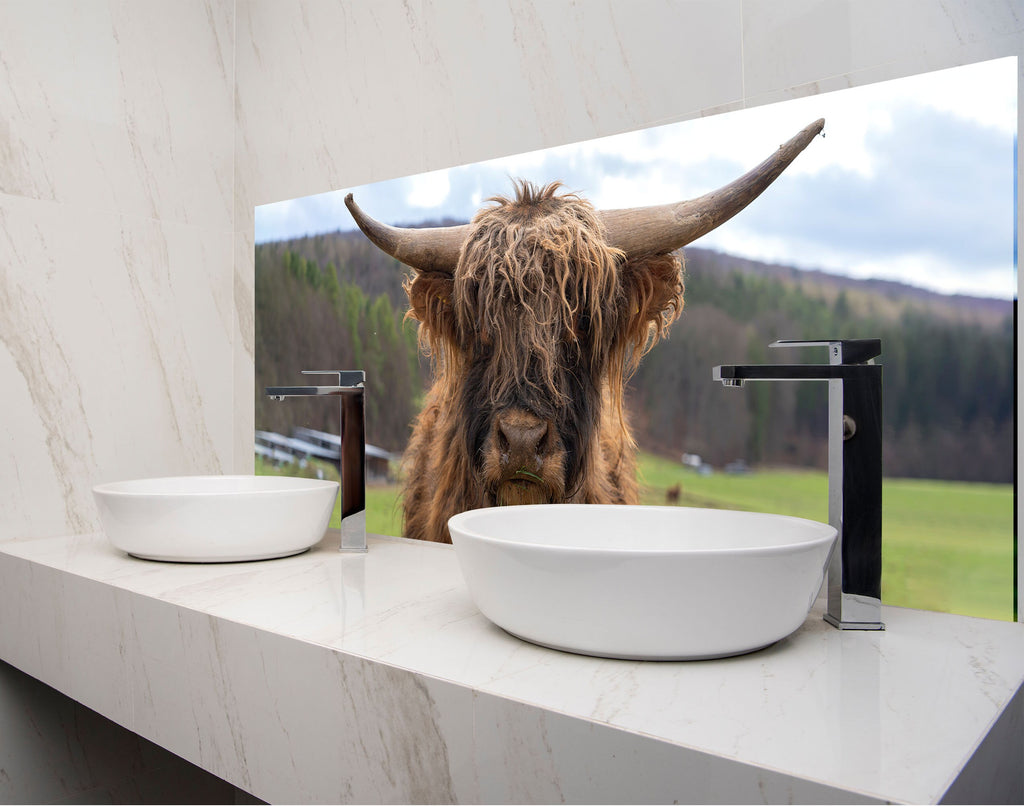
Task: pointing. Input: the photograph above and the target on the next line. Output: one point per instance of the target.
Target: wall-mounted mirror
(900, 225)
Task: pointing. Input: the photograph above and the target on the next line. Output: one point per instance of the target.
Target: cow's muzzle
(524, 461)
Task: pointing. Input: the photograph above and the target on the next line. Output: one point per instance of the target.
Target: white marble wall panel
(324, 86)
(243, 365)
(119, 106)
(116, 332)
(117, 305)
(814, 46)
(336, 94)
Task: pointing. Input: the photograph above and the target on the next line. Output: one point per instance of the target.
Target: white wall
(117, 320)
(117, 317)
(136, 138)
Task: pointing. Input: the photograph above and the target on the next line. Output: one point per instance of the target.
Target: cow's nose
(520, 437)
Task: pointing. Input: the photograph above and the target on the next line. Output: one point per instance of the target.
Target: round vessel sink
(651, 583)
(207, 519)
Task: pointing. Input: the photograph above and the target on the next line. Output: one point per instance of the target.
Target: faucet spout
(350, 388)
(736, 375)
(854, 468)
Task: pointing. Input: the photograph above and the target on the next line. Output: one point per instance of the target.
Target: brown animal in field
(535, 314)
(673, 493)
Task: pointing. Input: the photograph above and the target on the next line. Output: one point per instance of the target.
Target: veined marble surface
(118, 314)
(373, 678)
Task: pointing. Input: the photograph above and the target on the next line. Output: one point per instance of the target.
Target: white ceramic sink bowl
(652, 583)
(208, 519)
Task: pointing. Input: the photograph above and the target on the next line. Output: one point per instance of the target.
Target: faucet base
(353, 533)
(853, 625)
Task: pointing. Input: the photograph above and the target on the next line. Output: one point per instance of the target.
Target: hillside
(948, 371)
(885, 299)
(334, 300)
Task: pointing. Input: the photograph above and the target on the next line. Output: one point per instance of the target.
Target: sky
(913, 181)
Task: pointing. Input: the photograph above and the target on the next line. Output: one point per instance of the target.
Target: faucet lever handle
(346, 377)
(841, 351)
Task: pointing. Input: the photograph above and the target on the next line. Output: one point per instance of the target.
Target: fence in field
(307, 442)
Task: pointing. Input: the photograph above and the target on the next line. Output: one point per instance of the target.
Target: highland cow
(535, 315)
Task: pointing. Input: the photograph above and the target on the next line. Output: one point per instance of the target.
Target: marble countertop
(330, 677)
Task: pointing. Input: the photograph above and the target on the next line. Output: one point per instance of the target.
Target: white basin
(209, 519)
(652, 583)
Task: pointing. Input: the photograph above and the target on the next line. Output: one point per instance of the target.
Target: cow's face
(536, 327)
(535, 314)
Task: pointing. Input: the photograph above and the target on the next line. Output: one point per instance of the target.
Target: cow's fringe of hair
(533, 263)
(644, 304)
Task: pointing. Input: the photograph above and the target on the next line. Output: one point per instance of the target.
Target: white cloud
(428, 190)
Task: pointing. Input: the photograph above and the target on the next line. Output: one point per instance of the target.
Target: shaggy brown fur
(533, 338)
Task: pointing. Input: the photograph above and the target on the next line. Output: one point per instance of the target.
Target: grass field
(946, 546)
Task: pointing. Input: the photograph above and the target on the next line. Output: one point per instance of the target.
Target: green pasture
(946, 546)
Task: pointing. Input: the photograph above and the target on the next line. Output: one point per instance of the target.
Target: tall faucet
(854, 469)
(352, 459)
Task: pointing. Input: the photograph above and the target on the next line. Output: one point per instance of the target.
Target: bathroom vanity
(329, 677)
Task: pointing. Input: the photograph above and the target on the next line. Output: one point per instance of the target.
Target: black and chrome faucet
(854, 469)
(352, 459)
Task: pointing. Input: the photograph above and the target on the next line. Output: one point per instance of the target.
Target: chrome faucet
(352, 459)
(854, 469)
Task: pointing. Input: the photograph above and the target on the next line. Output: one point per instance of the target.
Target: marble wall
(117, 319)
(136, 138)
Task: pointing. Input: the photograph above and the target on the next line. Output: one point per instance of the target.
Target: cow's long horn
(661, 229)
(434, 249)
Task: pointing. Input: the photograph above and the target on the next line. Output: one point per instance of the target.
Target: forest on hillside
(334, 301)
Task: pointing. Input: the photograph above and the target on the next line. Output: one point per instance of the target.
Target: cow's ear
(653, 288)
(430, 302)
